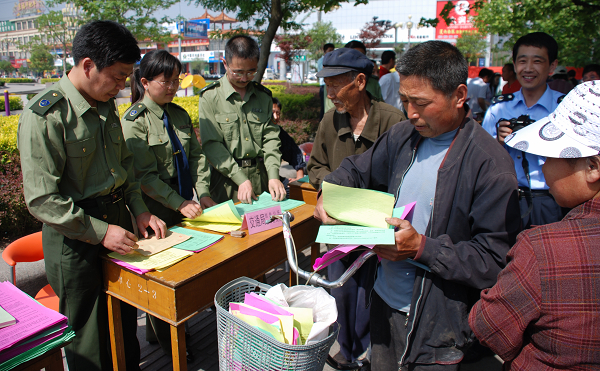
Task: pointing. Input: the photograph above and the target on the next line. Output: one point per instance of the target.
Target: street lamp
(409, 25)
(396, 27)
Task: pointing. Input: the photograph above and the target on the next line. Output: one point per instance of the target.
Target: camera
(518, 123)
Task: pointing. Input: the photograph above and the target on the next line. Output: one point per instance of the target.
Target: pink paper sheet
(30, 315)
(16, 350)
(130, 267)
(265, 304)
(334, 255)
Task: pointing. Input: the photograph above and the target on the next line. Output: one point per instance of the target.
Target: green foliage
(575, 25)
(299, 106)
(198, 66)
(301, 131)
(58, 29)
(472, 45)
(43, 81)
(15, 220)
(137, 15)
(8, 133)
(11, 80)
(15, 103)
(5, 66)
(41, 60)
(322, 33)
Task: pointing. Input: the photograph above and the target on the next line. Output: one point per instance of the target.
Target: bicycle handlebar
(313, 278)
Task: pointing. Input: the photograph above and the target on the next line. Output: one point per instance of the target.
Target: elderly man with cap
(352, 128)
(543, 312)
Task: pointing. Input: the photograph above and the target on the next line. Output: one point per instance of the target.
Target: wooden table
(50, 361)
(304, 192)
(189, 287)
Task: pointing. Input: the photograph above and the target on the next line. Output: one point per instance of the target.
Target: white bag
(302, 296)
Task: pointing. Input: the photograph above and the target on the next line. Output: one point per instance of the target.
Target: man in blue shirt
(535, 58)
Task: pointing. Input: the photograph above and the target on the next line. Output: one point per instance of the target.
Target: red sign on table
(256, 221)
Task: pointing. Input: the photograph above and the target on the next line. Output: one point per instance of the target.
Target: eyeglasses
(242, 74)
(168, 84)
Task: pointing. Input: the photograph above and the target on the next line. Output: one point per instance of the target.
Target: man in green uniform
(238, 137)
(78, 179)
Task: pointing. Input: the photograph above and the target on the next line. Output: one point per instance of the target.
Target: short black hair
(105, 43)
(327, 46)
(387, 56)
(538, 40)
(510, 65)
(355, 44)
(591, 68)
(277, 102)
(241, 46)
(486, 72)
(153, 64)
(440, 62)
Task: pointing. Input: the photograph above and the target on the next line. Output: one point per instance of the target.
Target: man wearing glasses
(239, 139)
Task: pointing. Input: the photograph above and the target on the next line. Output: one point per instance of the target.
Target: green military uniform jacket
(334, 140)
(234, 127)
(71, 152)
(147, 138)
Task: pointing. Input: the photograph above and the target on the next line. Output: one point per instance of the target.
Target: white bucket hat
(571, 131)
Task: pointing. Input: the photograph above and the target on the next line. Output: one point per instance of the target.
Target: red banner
(462, 21)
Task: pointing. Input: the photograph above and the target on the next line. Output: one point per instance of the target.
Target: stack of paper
(222, 218)
(37, 328)
(288, 325)
(265, 201)
(185, 242)
(364, 209)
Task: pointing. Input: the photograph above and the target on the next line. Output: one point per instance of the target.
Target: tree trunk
(267, 40)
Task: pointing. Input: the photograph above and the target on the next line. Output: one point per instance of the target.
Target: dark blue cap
(344, 60)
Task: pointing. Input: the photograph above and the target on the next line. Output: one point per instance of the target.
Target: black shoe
(339, 362)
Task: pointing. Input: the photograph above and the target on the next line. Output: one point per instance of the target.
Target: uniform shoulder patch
(503, 98)
(43, 104)
(262, 88)
(210, 86)
(135, 110)
(560, 99)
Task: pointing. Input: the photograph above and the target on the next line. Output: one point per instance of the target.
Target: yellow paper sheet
(152, 245)
(303, 321)
(261, 325)
(357, 206)
(222, 218)
(162, 259)
(217, 227)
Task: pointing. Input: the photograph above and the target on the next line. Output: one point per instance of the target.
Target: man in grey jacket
(465, 219)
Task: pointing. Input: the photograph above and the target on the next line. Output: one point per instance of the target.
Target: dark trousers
(545, 210)
(388, 339)
(74, 271)
(351, 302)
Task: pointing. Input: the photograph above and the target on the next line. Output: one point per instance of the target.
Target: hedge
(15, 103)
(16, 80)
(43, 81)
(8, 133)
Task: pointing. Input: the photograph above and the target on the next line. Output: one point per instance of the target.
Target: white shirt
(477, 88)
(390, 83)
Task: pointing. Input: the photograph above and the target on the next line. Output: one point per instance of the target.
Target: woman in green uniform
(168, 160)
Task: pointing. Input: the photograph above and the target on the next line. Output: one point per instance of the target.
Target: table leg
(117, 346)
(178, 348)
(55, 362)
(315, 251)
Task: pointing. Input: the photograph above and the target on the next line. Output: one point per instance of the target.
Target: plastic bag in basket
(323, 306)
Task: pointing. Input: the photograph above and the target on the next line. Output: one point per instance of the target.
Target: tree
(6, 67)
(197, 66)
(321, 33)
(373, 31)
(41, 60)
(575, 25)
(136, 15)
(292, 46)
(274, 13)
(58, 30)
(472, 45)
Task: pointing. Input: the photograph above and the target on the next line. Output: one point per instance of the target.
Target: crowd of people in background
(502, 248)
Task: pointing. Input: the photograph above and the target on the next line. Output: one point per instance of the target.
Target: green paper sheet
(264, 201)
(198, 241)
(357, 206)
(355, 235)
